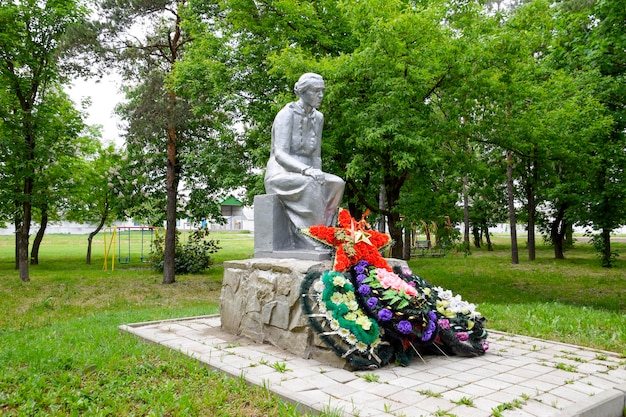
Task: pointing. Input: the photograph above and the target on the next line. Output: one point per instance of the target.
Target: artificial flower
(462, 336)
(391, 280)
(385, 314)
(352, 241)
(405, 327)
(364, 289)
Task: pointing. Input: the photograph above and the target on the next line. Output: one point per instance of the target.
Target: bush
(189, 258)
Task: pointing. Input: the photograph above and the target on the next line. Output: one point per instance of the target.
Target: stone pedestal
(260, 300)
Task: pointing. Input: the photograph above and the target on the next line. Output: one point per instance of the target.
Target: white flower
(319, 286)
(344, 333)
(475, 315)
(362, 347)
(444, 294)
(334, 324)
(352, 339)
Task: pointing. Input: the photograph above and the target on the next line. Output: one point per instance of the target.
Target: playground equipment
(123, 238)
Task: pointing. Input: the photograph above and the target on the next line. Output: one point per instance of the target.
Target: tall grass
(61, 352)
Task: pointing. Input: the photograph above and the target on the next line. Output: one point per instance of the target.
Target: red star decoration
(353, 241)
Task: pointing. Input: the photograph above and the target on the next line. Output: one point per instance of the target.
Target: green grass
(572, 300)
(61, 352)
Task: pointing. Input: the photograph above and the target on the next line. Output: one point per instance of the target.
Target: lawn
(61, 352)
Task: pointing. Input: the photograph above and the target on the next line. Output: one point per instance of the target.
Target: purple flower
(444, 324)
(372, 302)
(364, 289)
(360, 267)
(360, 278)
(428, 334)
(385, 315)
(485, 344)
(406, 271)
(405, 327)
(462, 336)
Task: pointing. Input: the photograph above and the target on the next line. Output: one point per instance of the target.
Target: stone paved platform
(519, 376)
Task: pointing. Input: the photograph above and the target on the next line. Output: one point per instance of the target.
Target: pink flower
(390, 280)
(485, 344)
(443, 324)
(462, 336)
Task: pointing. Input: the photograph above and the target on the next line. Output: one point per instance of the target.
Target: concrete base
(275, 236)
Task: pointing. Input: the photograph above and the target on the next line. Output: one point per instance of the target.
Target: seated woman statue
(294, 171)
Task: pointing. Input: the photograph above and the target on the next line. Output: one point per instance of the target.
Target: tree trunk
(103, 219)
(606, 256)
(382, 198)
(406, 248)
(476, 234)
(558, 229)
(23, 233)
(466, 217)
(487, 237)
(34, 253)
(532, 211)
(18, 226)
(395, 231)
(392, 191)
(569, 235)
(169, 266)
(512, 216)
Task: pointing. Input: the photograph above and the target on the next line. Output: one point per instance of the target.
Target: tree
(66, 143)
(91, 197)
(383, 122)
(590, 39)
(32, 35)
(173, 144)
(154, 113)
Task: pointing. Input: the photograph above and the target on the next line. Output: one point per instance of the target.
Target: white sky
(105, 95)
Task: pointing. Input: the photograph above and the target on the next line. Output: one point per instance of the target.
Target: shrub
(189, 258)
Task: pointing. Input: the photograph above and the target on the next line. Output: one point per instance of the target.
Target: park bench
(421, 248)
(424, 248)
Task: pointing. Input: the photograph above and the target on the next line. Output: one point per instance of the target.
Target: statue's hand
(316, 174)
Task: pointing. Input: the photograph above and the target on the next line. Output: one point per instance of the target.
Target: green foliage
(191, 257)
(38, 124)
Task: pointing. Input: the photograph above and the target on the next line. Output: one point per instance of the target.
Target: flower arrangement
(367, 306)
(352, 241)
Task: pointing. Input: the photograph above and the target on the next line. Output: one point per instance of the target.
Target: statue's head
(310, 89)
(308, 81)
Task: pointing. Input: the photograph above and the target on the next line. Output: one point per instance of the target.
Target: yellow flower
(427, 291)
(441, 308)
(364, 322)
(352, 305)
(350, 316)
(339, 281)
(337, 298)
(470, 324)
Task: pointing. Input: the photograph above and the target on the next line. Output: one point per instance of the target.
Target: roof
(231, 201)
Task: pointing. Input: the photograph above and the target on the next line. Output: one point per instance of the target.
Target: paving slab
(518, 376)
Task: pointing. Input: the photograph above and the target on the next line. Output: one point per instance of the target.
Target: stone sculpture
(294, 173)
